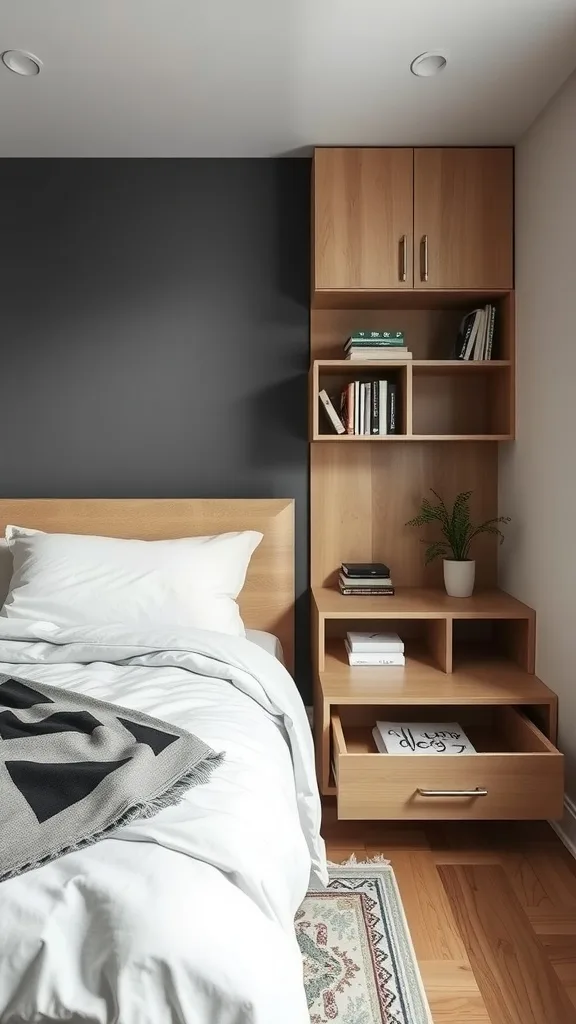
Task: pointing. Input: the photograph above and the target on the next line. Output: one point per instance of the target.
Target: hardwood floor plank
(430, 919)
(453, 992)
(527, 887)
(555, 877)
(518, 983)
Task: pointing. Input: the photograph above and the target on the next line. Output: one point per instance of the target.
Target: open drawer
(516, 772)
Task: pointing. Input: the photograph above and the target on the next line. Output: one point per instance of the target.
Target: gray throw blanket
(74, 769)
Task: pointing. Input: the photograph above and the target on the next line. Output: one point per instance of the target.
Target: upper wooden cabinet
(363, 218)
(403, 218)
(463, 218)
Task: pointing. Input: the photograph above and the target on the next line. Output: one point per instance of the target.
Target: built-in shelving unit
(395, 248)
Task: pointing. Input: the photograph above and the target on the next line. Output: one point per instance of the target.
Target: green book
(376, 335)
(374, 343)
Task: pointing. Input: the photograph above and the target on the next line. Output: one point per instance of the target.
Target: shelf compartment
(521, 770)
(335, 375)
(449, 402)
(483, 641)
(427, 642)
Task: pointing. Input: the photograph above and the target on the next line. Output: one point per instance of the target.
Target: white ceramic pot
(459, 577)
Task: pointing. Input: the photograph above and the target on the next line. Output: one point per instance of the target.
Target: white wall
(538, 471)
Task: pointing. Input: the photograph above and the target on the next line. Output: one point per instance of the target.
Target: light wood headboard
(267, 600)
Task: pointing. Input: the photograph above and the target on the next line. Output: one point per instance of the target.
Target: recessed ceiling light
(428, 64)
(21, 62)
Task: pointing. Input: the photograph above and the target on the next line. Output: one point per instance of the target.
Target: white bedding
(267, 641)
(187, 917)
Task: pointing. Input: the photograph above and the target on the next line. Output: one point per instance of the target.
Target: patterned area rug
(359, 962)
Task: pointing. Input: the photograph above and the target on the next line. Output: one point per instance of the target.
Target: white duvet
(186, 917)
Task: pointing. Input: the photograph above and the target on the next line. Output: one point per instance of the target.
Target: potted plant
(458, 532)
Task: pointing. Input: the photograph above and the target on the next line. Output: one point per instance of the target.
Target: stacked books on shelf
(421, 738)
(366, 407)
(371, 578)
(476, 335)
(365, 345)
(375, 649)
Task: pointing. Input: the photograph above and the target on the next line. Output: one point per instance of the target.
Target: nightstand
(470, 661)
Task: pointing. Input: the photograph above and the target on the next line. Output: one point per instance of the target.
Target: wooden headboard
(267, 600)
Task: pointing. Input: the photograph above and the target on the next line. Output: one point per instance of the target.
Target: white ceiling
(265, 77)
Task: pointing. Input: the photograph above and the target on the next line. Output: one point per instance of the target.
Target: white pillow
(5, 569)
(74, 580)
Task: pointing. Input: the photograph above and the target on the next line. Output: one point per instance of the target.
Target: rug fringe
(352, 861)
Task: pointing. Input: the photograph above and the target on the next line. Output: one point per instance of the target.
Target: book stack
(422, 738)
(371, 578)
(375, 649)
(476, 335)
(365, 345)
(366, 407)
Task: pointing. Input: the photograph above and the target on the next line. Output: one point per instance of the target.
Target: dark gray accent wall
(154, 332)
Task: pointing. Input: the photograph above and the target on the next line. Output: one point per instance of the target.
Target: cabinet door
(363, 218)
(463, 218)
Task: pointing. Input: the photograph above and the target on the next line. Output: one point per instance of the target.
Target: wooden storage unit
(413, 218)
(468, 660)
(492, 691)
(516, 773)
(463, 218)
(363, 218)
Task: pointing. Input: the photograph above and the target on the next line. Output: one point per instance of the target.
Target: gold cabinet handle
(424, 264)
(453, 792)
(404, 258)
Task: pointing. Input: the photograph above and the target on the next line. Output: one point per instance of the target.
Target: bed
(186, 916)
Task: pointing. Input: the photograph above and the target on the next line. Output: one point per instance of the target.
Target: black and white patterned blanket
(74, 769)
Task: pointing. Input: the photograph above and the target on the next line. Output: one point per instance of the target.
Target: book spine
(381, 652)
(491, 332)
(362, 394)
(376, 336)
(371, 591)
(375, 407)
(350, 409)
(464, 336)
(331, 411)
(356, 407)
(368, 409)
(391, 408)
(397, 660)
(383, 424)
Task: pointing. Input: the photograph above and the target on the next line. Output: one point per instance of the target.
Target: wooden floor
(492, 912)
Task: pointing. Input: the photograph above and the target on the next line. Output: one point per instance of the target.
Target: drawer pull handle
(453, 792)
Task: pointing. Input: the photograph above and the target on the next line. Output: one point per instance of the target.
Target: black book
(375, 407)
(392, 410)
(366, 570)
(367, 592)
(464, 335)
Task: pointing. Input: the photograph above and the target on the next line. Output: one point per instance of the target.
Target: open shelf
(489, 681)
(420, 603)
(450, 401)
(437, 399)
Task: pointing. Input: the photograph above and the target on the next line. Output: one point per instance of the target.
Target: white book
(372, 354)
(362, 412)
(365, 581)
(393, 660)
(383, 413)
(424, 738)
(379, 741)
(332, 414)
(356, 407)
(375, 643)
(367, 407)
